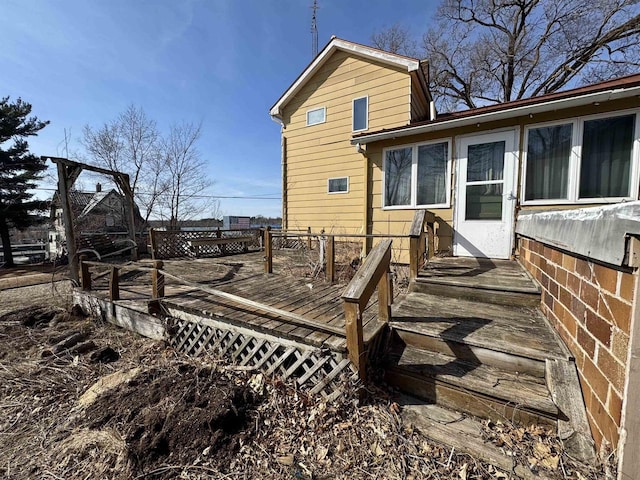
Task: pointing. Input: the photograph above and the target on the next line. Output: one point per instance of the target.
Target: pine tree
(19, 171)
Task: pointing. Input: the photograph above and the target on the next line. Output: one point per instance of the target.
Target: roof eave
(603, 96)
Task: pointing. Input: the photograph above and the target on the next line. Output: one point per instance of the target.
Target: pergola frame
(68, 173)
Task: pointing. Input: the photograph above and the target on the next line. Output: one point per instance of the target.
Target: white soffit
(338, 44)
(551, 105)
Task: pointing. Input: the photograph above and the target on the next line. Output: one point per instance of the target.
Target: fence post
(268, 250)
(355, 340)
(331, 258)
(85, 274)
(309, 238)
(152, 238)
(157, 280)
(114, 284)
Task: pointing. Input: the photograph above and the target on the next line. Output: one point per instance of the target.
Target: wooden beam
(355, 340)
(67, 218)
(157, 280)
(85, 275)
(114, 284)
(331, 259)
(268, 250)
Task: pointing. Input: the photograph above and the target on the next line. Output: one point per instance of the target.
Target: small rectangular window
(432, 174)
(338, 185)
(316, 116)
(360, 113)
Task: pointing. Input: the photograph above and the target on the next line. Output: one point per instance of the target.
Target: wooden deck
(242, 275)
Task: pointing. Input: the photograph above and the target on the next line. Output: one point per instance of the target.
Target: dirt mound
(184, 413)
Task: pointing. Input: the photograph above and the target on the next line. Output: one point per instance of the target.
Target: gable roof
(410, 64)
(96, 200)
(622, 87)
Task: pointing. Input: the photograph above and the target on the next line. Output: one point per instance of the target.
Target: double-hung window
(360, 114)
(593, 159)
(417, 175)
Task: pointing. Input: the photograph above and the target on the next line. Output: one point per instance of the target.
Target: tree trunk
(6, 242)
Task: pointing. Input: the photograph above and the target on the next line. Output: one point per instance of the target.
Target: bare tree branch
(488, 51)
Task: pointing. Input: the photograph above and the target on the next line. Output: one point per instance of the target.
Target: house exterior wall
(316, 153)
(396, 221)
(590, 305)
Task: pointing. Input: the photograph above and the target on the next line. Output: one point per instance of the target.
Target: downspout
(366, 244)
(283, 167)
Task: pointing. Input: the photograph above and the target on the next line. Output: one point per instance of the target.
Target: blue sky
(219, 62)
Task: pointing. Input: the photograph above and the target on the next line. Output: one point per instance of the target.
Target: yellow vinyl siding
(319, 152)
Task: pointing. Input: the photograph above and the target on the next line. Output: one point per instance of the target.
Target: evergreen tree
(19, 171)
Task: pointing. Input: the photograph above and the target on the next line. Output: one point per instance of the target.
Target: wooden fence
(166, 244)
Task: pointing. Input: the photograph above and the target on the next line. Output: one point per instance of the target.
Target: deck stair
(468, 337)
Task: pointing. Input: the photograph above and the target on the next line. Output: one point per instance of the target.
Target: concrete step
(514, 339)
(475, 389)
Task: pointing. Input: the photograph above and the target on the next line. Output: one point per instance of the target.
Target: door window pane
(360, 114)
(432, 174)
(484, 202)
(606, 157)
(398, 177)
(548, 152)
(485, 162)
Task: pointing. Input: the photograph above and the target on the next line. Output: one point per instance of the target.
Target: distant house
(94, 212)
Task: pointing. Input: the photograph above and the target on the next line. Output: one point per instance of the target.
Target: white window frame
(573, 188)
(324, 116)
(353, 114)
(337, 192)
(414, 176)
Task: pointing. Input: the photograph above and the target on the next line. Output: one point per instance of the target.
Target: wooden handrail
(374, 273)
(417, 242)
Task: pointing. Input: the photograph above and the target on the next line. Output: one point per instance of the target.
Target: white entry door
(485, 195)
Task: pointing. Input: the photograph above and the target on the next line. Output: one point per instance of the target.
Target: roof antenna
(314, 31)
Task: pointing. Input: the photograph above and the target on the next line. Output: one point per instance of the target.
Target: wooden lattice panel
(177, 244)
(321, 371)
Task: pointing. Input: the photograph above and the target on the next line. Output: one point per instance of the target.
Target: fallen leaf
(463, 472)
(285, 460)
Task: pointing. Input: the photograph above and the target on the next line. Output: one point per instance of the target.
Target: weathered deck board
(519, 331)
(242, 275)
(474, 272)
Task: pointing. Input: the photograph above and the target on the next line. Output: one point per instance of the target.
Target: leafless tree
(488, 51)
(131, 144)
(397, 39)
(184, 197)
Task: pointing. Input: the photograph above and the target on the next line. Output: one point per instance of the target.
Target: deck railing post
(331, 258)
(431, 240)
(355, 339)
(385, 296)
(85, 274)
(309, 238)
(268, 250)
(157, 280)
(114, 284)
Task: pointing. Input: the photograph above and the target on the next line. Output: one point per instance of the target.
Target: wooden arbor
(68, 172)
